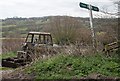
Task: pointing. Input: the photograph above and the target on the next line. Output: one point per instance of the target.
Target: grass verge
(5, 68)
(69, 67)
(7, 55)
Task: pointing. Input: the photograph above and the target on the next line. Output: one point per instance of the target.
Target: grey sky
(39, 8)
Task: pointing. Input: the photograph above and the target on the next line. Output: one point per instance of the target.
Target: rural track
(3, 73)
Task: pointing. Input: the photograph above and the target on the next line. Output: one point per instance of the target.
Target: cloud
(39, 8)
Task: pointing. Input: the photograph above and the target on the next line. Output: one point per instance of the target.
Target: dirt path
(4, 72)
(17, 74)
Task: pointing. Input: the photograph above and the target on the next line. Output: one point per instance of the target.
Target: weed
(69, 66)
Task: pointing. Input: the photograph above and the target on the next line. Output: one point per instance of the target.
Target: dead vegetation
(68, 30)
(11, 44)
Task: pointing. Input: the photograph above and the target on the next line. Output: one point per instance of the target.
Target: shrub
(65, 30)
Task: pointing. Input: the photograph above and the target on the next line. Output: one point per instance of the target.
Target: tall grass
(11, 44)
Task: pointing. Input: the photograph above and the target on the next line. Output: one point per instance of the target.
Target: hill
(18, 27)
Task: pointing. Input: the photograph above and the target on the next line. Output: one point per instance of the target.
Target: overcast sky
(39, 8)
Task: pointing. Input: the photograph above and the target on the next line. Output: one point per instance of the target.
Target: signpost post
(90, 8)
(92, 28)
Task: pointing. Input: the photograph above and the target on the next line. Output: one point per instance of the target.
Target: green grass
(7, 26)
(6, 55)
(5, 68)
(22, 29)
(68, 67)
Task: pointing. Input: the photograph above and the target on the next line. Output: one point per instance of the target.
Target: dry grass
(11, 45)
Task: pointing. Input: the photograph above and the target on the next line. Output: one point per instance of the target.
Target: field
(11, 44)
(77, 60)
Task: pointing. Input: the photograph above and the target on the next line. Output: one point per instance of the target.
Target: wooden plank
(111, 47)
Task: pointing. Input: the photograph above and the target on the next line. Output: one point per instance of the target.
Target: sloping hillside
(18, 27)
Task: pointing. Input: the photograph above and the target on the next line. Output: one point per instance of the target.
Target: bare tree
(66, 29)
